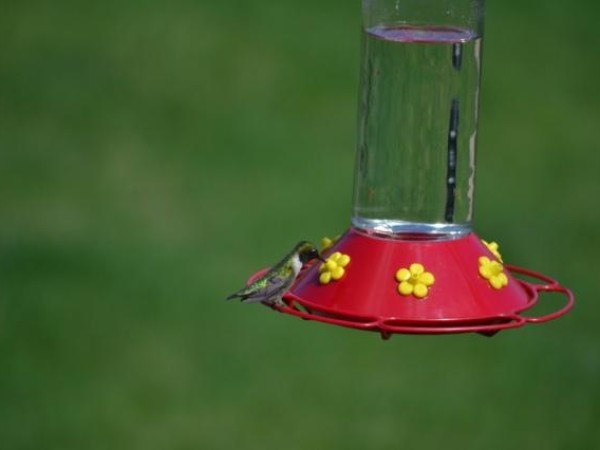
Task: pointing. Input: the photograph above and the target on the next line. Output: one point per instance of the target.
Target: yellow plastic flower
(492, 271)
(494, 248)
(334, 268)
(414, 280)
(327, 243)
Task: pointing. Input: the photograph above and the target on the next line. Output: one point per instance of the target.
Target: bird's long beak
(320, 258)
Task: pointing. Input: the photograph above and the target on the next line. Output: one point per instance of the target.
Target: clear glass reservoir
(417, 124)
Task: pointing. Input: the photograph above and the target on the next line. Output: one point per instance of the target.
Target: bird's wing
(275, 286)
(269, 286)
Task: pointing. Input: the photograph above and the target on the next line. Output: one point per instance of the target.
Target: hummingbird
(270, 287)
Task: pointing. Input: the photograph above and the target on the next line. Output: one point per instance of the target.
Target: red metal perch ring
(387, 326)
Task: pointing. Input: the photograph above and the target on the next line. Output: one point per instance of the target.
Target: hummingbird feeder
(410, 263)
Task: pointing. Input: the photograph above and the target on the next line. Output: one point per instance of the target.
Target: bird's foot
(278, 302)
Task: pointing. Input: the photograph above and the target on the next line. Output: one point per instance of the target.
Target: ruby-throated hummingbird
(272, 285)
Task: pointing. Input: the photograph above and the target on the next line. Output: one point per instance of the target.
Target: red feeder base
(457, 298)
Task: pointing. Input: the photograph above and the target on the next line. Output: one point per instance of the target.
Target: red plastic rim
(459, 299)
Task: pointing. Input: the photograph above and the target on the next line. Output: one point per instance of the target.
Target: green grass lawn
(152, 156)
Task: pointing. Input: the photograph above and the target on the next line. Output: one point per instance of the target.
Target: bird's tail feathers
(240, 294)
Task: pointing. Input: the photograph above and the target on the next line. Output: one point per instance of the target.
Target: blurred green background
(154, 154)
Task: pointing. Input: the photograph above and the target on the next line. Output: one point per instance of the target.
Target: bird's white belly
(296, 264)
